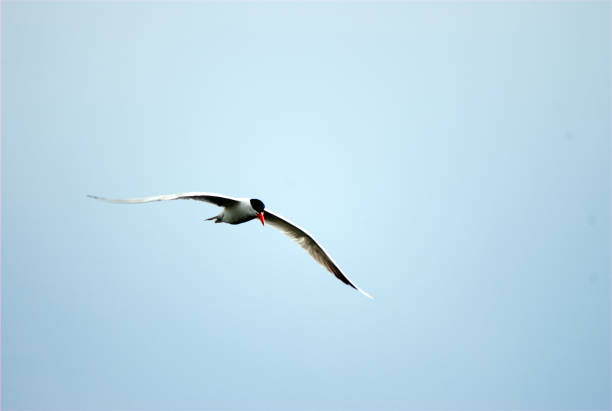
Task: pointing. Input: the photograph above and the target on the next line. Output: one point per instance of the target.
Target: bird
(241, 210)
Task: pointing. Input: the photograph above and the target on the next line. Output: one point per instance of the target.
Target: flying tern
(241, 210)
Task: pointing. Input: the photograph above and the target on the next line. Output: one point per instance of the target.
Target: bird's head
(258, 206)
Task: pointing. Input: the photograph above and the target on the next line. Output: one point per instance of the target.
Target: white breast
(238, 213)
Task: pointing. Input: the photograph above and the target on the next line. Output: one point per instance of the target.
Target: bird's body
(241, 210)
(237, 213)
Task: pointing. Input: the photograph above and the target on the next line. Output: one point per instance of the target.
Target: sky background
(454, 158)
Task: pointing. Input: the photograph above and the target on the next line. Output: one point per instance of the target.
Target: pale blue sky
(454, 158)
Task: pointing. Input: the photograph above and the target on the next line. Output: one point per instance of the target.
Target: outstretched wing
(308, 243)
(217, 199)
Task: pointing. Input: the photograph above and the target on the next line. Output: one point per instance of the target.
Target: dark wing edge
(308, 243)
(216, 199)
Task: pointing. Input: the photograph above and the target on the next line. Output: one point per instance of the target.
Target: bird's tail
(216, 218)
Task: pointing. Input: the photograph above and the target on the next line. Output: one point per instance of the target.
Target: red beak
(261, 218)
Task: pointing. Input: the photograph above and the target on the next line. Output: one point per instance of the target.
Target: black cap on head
(257, 205)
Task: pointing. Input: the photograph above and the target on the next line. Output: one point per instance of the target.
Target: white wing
(217, 199)
(308, 243)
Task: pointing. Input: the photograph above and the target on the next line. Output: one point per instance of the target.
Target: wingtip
(366, 294)
(97, 198)
(101, 198)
